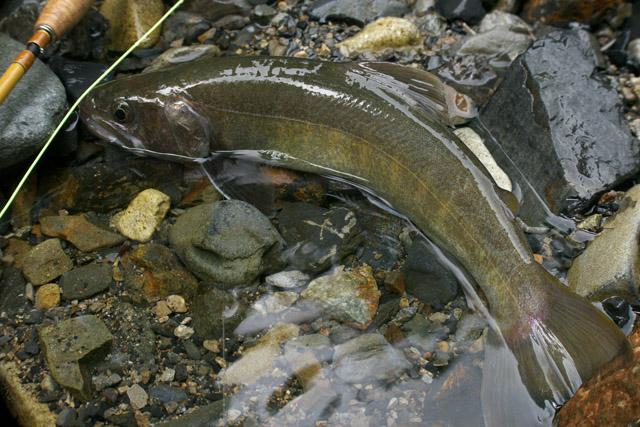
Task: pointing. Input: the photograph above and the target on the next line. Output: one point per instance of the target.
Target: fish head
(148, 119)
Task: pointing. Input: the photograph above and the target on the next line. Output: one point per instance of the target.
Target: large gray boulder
(31, 111)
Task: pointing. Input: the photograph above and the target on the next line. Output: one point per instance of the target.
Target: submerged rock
(228, 243)
(566, 11)
(70, 346)
(47, 296)
(12, 289)
(25, 125)
(86, 281)
(357, 11)
(288, 279)
(81, 232)
(45, 262)
(215, 310)
(368, 357)
(348, 296)
(213, 10)
(318, 237)
(129, 20)
(610, 264)
(385, 33)
(152, 272)
(143, 215)
(561, 115)
(470, 11)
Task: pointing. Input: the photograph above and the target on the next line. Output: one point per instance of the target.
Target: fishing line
(76, 104)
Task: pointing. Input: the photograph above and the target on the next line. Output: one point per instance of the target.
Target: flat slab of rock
(563, 139)
(78, 230)
(45, 262)
(348, 296)
(86, 281)
(368, 357)
(611, 263)
(25, 125)
(69, 346)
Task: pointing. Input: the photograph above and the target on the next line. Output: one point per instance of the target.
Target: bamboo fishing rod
(57, 17)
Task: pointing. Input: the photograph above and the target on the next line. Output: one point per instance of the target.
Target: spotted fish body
(385, 128)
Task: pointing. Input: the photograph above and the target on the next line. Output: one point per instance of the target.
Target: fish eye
(121, 112)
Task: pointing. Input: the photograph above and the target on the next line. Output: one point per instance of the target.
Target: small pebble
(177, 304)
(183, 332)
(137, 396)
(48, 296)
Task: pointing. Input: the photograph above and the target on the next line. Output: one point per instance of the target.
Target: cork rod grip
(62, 15)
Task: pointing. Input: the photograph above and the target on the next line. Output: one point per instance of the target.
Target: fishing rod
(56, 19)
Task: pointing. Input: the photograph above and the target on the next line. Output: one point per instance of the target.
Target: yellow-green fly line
(75, 105)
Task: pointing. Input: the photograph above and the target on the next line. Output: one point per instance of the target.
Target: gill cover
(190, 130)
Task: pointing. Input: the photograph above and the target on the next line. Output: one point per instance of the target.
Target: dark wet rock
(368, 357)
(565, 116)
(566, 11)
(203, 416)
(102, 381)
(348, 296)
(423, 333)
(80, 231)
(165, 394)
(227, 243)
(103, 187)
(192, 350)
(185, 26)
(470, 75)
(213, 10)
(383, 250)
(263, 13)
(26, 125)
(12, 287)
(76, 76)
(71, 347)
(68, 417)
(86, 281)
(427, 279)
(152, 271)
(318, 237)
(609, 266)
(356, 11)
(46, 262)
(34, 317)
(215, 309)
(470, 11)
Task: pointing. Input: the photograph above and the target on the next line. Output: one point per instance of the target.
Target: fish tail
(536, 363)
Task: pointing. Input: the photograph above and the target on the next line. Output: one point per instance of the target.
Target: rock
(566, 11)
(20, 135)
(45, 262)
(211, 345)
(275, 302)
(470, 75)
(215, 309)
(424, 334)
(152, 271)
(228, 243)
(348, 296)
(609, 266)
(470, 11)
(633, 52)
(259, 360)
(612, 397)
(317, 344)
(498, 19)
(385, 33)
(564, 116)
(317, 237)
(177, 304)
(102, 381)
(129, 20)
(143, 215)
(203, 416)
(183, 332)
(76, 76)
(12, 287)
(78, 230)
(213, 10)
(137, 396)
(68, 417)
(86, 281)
(179, 55)
(427, 279)
(183, 26)
(165, 394)
(288, 279)
(103, 187)
(357, 11)
(368, 357)
(161, 309)
(70, 347)
(47, 296)
(500, 44)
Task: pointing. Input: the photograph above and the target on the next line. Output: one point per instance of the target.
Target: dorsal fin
(424, 90)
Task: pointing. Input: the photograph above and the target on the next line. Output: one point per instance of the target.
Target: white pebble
(184, 332)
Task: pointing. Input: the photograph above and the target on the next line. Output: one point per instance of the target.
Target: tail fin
(539, 363)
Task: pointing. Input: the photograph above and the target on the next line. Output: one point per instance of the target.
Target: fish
(387, 129)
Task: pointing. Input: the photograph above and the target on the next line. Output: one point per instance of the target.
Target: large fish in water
(386, 128)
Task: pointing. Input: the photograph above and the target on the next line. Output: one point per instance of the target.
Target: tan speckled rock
(611, 263)
(48, 296)
(382, 34)
(129, 20)
(46, 262)
(143, 215)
